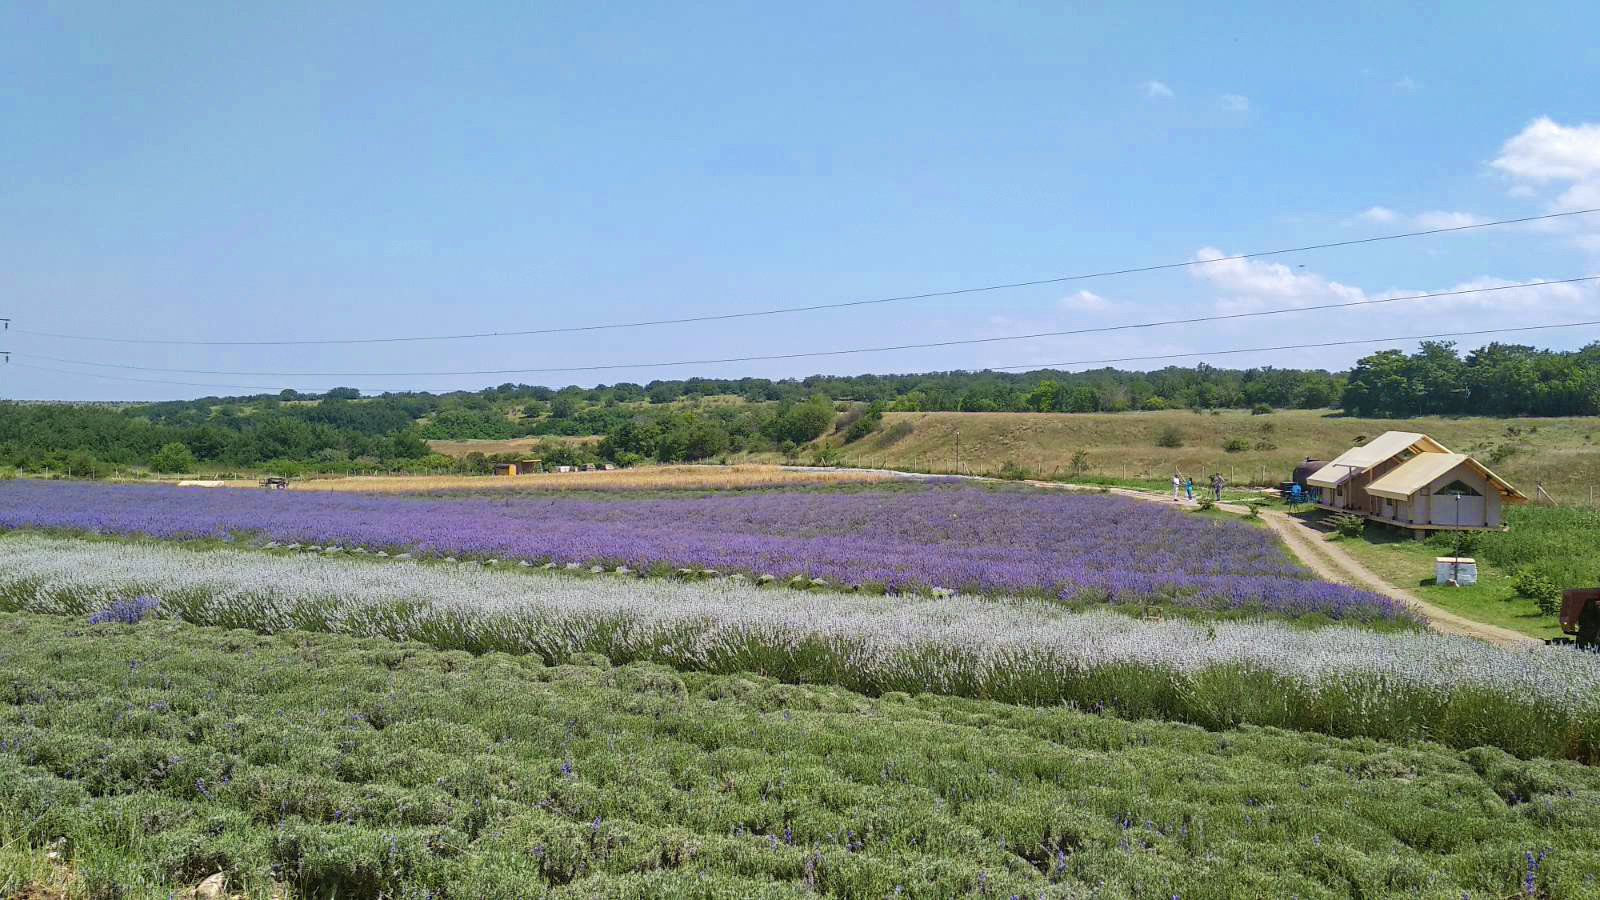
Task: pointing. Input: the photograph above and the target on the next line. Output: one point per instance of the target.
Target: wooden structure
(505, 469)
(1412, 481)
(274, 483)
(1572, 604)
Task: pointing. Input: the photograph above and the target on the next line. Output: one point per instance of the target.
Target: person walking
(1216, 486)
(1188, 486)
(1177, 485)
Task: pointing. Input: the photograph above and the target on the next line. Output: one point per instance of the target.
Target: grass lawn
(147, 757)
(1409, 563)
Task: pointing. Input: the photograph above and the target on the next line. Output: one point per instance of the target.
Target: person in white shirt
(1177, 486)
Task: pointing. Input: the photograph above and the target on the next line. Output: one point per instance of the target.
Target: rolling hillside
(1563, 454)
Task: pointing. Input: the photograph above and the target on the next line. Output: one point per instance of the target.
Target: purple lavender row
(964, 538)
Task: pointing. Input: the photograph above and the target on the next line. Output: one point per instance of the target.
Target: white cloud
(1247, 284)
(1439, 218)
(1549, 156)
(1086, 301)
(1547, 150)
(1157, 89)
(1381, 214)
(1408, 85)
(1234, 103)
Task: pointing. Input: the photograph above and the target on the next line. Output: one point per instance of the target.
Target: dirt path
(1327, 561)
(1330, 562)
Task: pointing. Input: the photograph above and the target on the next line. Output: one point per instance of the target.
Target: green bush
(1236, 445)
(1170, 436)
(1261, 409)
(1533, 585)
(1013, 472)
(1348, 525)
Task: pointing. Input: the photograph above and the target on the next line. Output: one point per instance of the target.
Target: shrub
(1236, 445)
(1261, 409)
(1012, 472)
(1207, 503)
(865, 424)
(1080, 462)
(1534, 585)
(1266, 445)
(1169, 436)
(1349, 525)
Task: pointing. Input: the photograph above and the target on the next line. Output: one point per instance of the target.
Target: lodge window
(1457, 488)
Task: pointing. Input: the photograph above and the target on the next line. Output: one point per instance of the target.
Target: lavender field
(1338, 680)
(965, 538)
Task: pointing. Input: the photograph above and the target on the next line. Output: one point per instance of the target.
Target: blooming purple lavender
(958, 537)
(125, 611)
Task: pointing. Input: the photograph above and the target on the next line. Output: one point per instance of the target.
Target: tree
(173, 457)
(563, 407)
(802, 422)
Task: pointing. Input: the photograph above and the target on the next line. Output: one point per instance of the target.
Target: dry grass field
(1563, 454)
(646, 478)
(458, 449)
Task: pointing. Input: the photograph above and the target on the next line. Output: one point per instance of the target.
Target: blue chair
(1297, 495)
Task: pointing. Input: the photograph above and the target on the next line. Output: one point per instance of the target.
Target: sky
(261, 172)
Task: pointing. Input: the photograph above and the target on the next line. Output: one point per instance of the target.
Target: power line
(1025, 366)
(1317, 345)
(261, 387)
(810, 354)
(717, 317)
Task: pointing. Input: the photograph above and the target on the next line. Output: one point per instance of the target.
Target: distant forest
(342, 431)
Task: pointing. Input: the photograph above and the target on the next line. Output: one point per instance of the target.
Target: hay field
(459, 449)
(646, 478)
(1562, 453)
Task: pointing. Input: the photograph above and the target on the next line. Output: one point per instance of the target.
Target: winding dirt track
(1330, 563)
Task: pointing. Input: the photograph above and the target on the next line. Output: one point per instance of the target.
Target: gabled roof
(1381, 448)
(1423, 469)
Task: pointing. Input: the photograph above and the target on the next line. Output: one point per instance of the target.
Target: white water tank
(1459, 570)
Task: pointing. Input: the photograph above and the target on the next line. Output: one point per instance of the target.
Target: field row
(1337, 680)
(900, 539)
(151, 756)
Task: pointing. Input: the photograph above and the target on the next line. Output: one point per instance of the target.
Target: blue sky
(366, 170)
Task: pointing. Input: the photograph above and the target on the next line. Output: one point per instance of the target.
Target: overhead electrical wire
(1023, 366)
(716, 317)
(809, 354)
(1316, 345)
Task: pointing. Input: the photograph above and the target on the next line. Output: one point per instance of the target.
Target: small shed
(1442, 492)
(529, 466)
(505, 468)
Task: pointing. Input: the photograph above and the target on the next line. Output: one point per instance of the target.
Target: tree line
(1495, 380)
(666, 420)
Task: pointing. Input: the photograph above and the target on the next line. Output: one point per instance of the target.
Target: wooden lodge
(1412, 481)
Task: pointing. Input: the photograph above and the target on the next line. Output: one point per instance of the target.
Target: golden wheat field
(646, 478)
